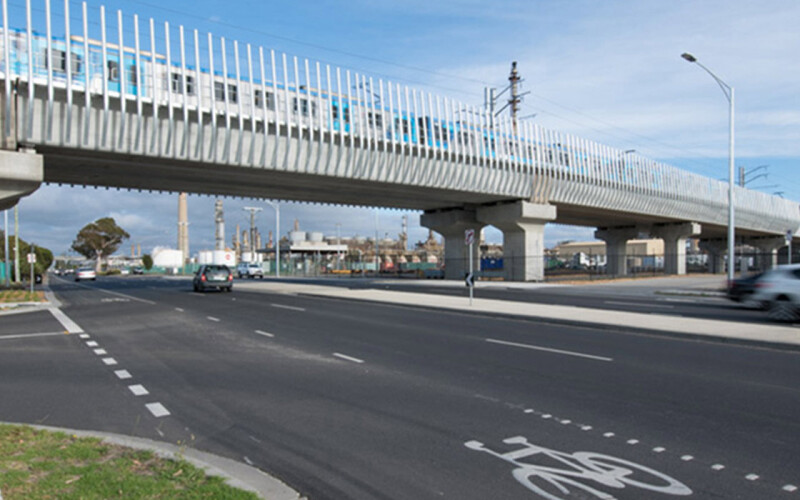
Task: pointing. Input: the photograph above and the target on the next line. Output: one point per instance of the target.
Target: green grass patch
(25, 295)
(37, 464)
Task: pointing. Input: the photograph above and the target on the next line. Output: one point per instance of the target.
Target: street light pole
(729, 94)
(277, 209)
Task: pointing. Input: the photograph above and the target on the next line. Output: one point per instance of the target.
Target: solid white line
(293, 308)
(157, 409)
(137, 299)
(123, 374)
(548, 349)
(348, 358)
(26, 335)
(110, 361)
(264, 333)
(67, 323)
(636, 304)
(138, 390)
(100, 352)
(212, 318)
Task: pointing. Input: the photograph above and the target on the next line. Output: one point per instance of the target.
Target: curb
(234, 473)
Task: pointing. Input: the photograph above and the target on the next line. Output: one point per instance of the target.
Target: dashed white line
(138, 390)
(752, 477)
(212, 318)
(266, 334)
(292, 308)
(566, 422)
(636, 304)
(548, 349)
(131, 297)
(84, 335)
(160, 433)
(91, 343)
(110, 361)
(586, 427)
(609, 435)
(659, 449)
(123, 374)
(157, 409)
(546, 416)
(348, 358)
(249, 462)
(179, 309)
(633, 441)
(687, 458)
(255, 439)
(100, 352)
(717, 467)
(790, 488)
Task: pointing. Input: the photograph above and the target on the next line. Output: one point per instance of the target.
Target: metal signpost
(32, 261)
(789, 244)
(469, 240)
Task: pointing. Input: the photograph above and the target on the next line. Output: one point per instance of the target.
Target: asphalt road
(345, 400)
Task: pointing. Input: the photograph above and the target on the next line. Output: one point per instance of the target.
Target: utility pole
(17, 277)
(514, 100)
(7, 271)
(253, 211)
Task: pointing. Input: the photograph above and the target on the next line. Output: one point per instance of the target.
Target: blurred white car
(778, 290)
(85, 273)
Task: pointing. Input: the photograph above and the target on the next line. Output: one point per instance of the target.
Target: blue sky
(609, 71)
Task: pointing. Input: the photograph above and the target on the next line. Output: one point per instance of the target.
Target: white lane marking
(292, 308)
(255, 439)
(752, 477)
(546, 416)
(84, 335)
(633, 441)
(91, 343)
(212, 318)
(179, 309)
(137, 299)
(138, 390)
(26, 335)
(687, 458)
(198, 294)
(717, 466)
(264, 333)
(160, 433)
(609, 435)
(529, 410)
(566, 422)
(249, 462)
(123, 374)
(100, 352)
(636, 304)
(548, 349)
(348, 358)
(62, 318)
(790, 488)
(110, 361)
(157, 409)
(682, 301)
(586, 427)
(659, 449)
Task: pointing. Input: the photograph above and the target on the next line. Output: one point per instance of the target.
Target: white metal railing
(104, 67)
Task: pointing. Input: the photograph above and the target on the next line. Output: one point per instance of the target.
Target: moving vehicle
(85, 273)
(213, 276)
(249, 270)
(743, 287)
(778, 290)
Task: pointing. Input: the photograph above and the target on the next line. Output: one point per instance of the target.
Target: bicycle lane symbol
(576, 469)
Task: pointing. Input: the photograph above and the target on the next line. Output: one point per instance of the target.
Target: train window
(77, 63)
(301, 105)
(59, 59)
(270, 99)
(132, 75)
(177, 84)
(375, 119)
(421, 130)
(219, 92)
(335, 110)
(405, 124)
(113, 71)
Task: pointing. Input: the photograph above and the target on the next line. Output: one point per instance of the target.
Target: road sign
(470, 280)
(469, 236)
(789, 235)
(31, 258)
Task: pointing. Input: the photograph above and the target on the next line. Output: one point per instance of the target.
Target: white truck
(249, 270)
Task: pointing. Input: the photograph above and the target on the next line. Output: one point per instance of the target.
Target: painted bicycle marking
(577, 469)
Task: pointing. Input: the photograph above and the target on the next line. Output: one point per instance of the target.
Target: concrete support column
(451, 224)
(21, 173)
(522, 223)
(716, 250)
(616, 239)
(674, 236)
(767, 247)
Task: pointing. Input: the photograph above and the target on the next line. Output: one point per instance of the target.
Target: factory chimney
(219, 220)
(183, 227)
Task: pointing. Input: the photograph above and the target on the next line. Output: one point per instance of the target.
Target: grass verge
(7, 296)
(37, 464)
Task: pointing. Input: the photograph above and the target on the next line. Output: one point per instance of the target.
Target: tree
(99, 239)
(44, 257)
(147, 261)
